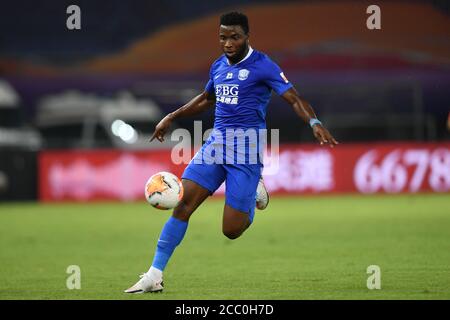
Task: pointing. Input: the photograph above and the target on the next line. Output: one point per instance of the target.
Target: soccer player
(239, 86)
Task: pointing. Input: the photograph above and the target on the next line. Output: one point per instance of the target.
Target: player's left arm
(306, 112)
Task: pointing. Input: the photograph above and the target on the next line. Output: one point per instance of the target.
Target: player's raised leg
(240, 198)
(171, 236)
(235, 222)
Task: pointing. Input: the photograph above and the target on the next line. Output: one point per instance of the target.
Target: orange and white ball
(163, 190)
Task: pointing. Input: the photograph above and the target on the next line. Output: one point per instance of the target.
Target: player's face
(234, 42)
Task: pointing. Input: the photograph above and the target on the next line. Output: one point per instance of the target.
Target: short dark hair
(235, 19)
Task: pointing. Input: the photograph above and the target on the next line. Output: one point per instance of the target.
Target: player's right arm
(197, 105)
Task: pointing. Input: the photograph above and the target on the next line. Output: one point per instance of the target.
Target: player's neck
(247, 52)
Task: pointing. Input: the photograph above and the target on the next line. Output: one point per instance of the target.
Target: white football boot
(147, 283)
(262, 196)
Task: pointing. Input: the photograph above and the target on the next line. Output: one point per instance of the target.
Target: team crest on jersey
(243, 74)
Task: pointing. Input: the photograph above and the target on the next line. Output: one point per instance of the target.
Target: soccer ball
(163, 190)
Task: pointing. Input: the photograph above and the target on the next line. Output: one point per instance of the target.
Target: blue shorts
(241, 181)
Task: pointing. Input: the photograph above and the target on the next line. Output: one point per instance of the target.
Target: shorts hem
(194, 177)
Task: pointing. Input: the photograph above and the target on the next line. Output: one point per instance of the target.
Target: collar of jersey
(250, 51)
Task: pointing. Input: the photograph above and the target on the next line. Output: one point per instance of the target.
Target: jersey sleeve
(275, 78)
(210, 84)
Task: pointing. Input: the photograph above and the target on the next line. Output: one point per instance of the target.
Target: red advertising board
(298, 169)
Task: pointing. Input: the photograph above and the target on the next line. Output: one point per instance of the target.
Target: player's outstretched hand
(323, 136)
(161, 129)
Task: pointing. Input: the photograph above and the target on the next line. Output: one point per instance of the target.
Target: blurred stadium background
(77, 107)
(63, 89)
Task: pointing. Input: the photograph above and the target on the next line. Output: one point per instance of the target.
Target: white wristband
(314, 121)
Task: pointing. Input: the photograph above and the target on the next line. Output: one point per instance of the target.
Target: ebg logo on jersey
(227, 93)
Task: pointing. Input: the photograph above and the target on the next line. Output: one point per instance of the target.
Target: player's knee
(232, 233)
(183, 210)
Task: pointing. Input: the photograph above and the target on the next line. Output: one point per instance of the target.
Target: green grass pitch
(298, 248)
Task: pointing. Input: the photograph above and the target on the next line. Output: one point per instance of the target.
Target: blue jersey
(243, 90)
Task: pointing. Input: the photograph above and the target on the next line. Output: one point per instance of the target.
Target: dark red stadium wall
(302, 169)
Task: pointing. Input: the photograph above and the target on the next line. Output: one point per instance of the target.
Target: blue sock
(171, 236)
